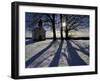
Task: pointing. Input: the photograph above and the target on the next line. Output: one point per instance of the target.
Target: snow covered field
(50, 53)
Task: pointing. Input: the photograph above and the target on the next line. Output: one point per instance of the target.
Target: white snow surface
(45, 59)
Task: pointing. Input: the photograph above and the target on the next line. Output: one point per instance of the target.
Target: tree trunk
(67, 33)
(61, 30)
(53, 27)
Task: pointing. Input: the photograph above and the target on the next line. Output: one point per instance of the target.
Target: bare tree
(72, 23)
(61, 29)
(52, 18)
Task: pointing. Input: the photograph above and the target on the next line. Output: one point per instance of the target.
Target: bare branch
(49, 17)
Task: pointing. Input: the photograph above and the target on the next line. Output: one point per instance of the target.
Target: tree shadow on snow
(73, 58)
(82, 49)
(27, 63)
(56, 58)
(32, 59)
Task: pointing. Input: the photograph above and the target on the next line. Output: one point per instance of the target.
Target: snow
(48, 53)
(34, 48)
(84, 45)
(64, 55)
(50, 49)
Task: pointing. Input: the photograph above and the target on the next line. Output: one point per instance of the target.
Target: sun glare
(64, 24)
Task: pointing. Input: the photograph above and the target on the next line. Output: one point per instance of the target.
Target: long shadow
(78, 38)
(55, 44)
(73, 59)
(42, 61)
(27, 63)
(81, 49)
(64, 54)
(56, 58)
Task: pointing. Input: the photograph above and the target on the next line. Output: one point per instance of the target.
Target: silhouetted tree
(61, 29)
(52, 19)
(72, 23)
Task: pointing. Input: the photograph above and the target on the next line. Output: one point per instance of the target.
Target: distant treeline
(69, 38)
(28, 37)
(74, 38)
